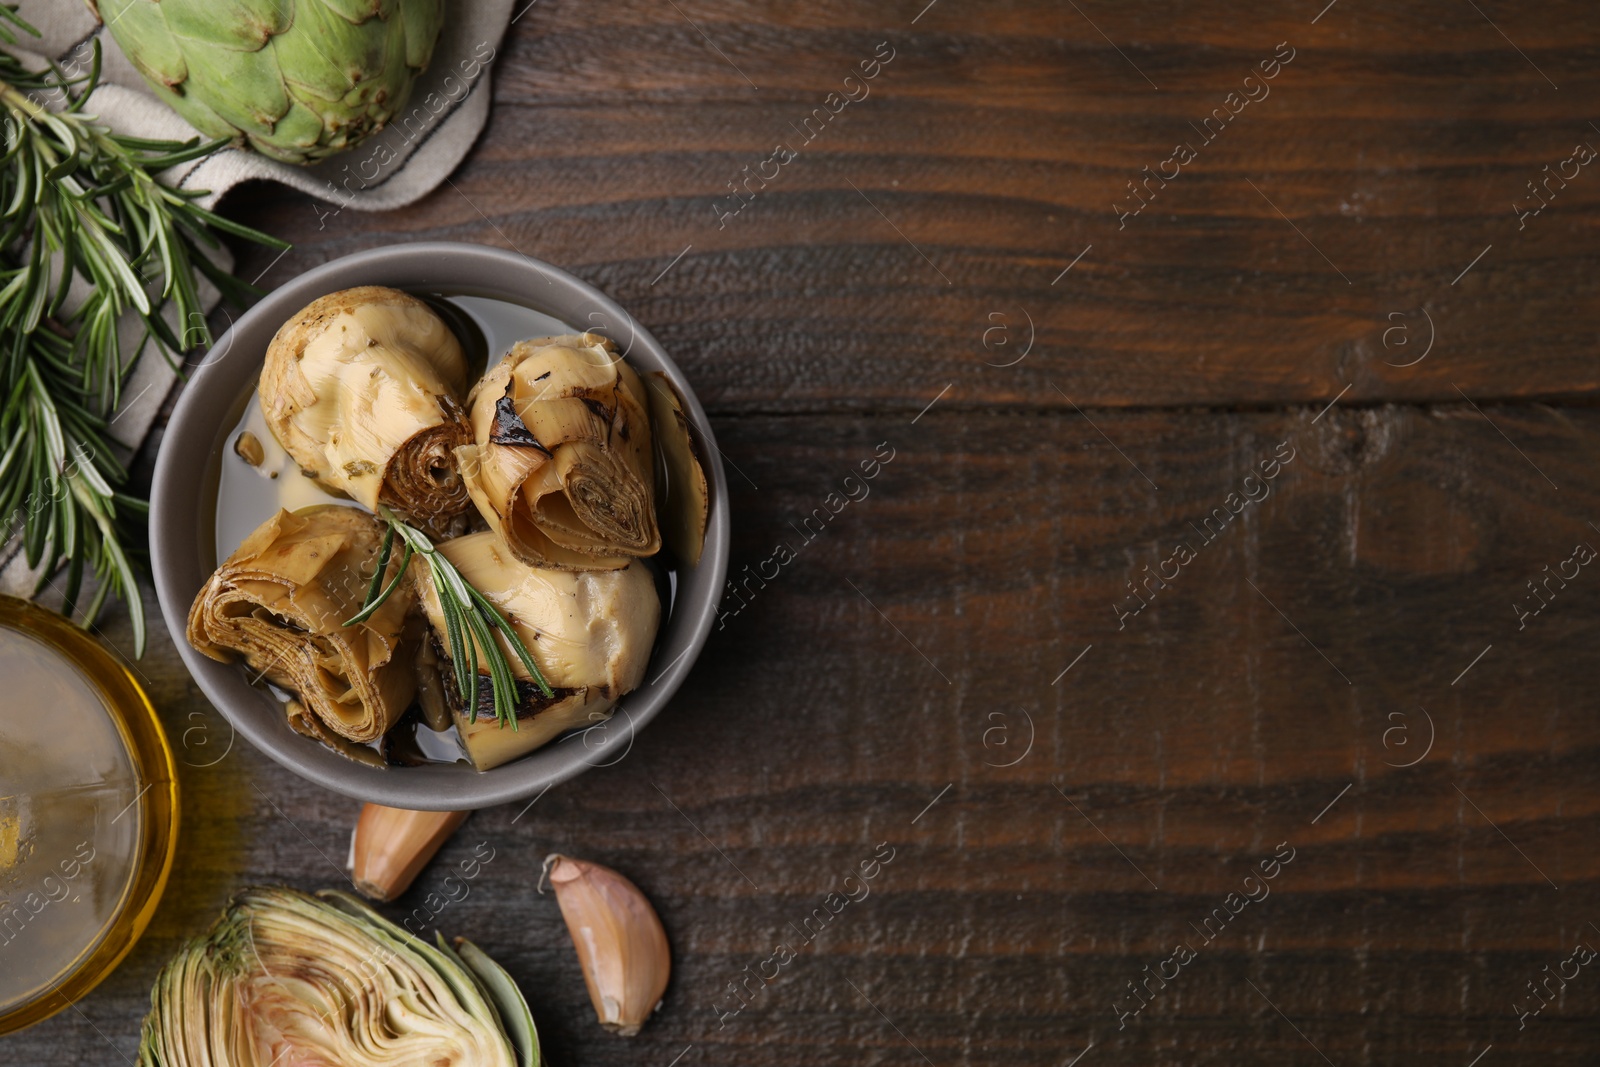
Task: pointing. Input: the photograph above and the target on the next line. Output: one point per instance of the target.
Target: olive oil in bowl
(88, 813)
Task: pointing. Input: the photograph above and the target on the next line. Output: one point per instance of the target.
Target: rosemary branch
(467, 613)
(79, 203)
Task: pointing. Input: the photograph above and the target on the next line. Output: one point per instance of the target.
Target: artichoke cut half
(363, 389)
(280, 602)
(561, 465)
(293, 980)
(589, 632)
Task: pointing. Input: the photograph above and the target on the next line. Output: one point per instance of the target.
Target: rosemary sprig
(79, 203)
(467, 613)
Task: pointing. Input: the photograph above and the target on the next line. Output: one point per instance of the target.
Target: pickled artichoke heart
(297, 80)
(362, 389)
(590, 632)
(280, 602)
(681, 490)
(292, 980)
(562, 465)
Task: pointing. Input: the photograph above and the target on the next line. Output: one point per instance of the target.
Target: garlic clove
(621, 945)
(392, 845)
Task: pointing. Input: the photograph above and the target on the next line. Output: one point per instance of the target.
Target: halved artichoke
(562, 465)
(292, 980)
(590, 632)
(362, 388)
(281, 600)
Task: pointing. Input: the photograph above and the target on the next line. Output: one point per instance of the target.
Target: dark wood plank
(1172, 757)
(996, 143)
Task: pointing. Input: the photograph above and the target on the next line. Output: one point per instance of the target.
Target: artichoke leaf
(472, 976)
(514, 1013)
(236, 25)
(159, 59)
(356, 12)
(299, 127)
(330, 74)
(421, 25)
(253, 98)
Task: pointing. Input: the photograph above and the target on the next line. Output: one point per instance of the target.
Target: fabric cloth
(447, 110)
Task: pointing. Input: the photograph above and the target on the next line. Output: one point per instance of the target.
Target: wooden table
(1334, 325)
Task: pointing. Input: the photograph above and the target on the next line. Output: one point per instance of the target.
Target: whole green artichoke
(298, 80)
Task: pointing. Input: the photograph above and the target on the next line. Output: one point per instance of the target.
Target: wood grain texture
(996, 143)
(951, 665)
(1195, 739)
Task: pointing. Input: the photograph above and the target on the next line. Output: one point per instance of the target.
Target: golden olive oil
(87, 813)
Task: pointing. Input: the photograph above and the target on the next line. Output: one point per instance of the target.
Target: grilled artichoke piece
(590, 632)
(280, 603)
(562, 467)
(302, 722)
(297, 80)
(681, 490)
(362, 388)
(287, 978)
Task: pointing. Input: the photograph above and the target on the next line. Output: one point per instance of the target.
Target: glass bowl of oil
(88, 813)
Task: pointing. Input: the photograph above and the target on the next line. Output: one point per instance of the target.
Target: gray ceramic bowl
(183, 544)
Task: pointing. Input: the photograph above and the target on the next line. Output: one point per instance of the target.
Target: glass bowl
(88, 813)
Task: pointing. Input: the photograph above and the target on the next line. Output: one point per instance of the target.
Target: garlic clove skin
(392, 845)
(621, 944)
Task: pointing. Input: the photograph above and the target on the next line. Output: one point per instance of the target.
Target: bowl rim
(195, 433)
